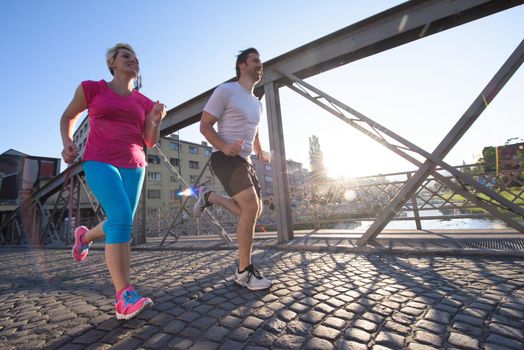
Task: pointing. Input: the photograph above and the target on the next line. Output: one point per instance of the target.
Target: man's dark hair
(242, 57)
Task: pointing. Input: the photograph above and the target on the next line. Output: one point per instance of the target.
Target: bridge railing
(342, 203)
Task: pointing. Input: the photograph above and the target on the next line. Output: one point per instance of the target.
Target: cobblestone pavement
(319, 300)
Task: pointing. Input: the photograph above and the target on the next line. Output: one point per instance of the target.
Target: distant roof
(13, 152)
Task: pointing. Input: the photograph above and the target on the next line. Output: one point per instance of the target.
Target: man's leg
(247, 274)
(225, 202)
(248, 203)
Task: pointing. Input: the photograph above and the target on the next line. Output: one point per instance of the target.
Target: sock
(206, 196)
(243, 269)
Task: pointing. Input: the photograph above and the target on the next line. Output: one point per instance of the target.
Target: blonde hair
(112, 52)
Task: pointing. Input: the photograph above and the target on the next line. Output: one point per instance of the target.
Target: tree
(488, 160)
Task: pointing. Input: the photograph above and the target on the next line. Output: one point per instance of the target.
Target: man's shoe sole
(244, 285)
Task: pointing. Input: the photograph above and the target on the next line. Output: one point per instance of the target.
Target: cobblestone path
(318, 300)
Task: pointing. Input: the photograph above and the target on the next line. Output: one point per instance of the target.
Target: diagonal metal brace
(486, 96)
(183, 182)
(507, 70)
(453, 186)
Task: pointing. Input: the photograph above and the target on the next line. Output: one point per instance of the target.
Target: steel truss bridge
(38, 219)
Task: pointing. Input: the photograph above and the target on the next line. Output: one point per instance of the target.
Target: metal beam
(336, 108)
(399, 25)
(490, 91)
(279, 168)
(459, 129)
(56, 183)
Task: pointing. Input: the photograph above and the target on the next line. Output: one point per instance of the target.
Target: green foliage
(488, 160)
(520, 157)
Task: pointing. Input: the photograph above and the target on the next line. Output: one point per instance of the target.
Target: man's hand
(264, 156)
(233, 149)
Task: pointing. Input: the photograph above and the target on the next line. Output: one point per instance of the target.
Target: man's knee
(250, 207)
(248, 202)
(260, 209)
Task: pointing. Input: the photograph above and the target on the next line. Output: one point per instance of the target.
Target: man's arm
(257, 147)
(206, 128)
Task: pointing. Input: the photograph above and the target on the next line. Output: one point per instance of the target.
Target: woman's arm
(152, 124)
(67, 124)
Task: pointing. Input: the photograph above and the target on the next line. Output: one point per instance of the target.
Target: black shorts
(235, 173)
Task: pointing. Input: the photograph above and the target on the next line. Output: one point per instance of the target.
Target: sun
(340, 167)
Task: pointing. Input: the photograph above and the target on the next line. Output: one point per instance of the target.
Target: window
(268, 178)
(152, 159)
(153, 176)
(193, 179)
(267, 167)
(193, 164)
(47, 169)
(174, 161)
(207, 152)
(153, 194)
(172, 194)
(193, 149)
(152, 211)
(172, 178)
(174, 146)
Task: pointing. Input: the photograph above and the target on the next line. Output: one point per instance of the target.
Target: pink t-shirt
(116, 125)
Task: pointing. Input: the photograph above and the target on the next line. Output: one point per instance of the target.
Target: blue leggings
(118, 191)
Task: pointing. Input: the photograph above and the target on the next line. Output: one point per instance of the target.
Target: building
(189, 159)
(80, 136)
(20, 176)
(162, 186)
(295, 173)
(503, 158)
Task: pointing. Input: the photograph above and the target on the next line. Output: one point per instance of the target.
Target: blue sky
(418, 90)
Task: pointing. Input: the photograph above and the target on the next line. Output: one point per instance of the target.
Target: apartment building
(189, 159)
(296, 175)
(162, 186)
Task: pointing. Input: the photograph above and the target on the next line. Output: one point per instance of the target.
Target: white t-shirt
(238, 112)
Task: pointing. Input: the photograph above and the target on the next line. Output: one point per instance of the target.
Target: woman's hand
(69, 153)
(157, 113)
(152, 125)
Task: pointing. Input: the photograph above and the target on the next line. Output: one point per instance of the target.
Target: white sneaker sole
(241, 284)
(127, 317)
(197, 212)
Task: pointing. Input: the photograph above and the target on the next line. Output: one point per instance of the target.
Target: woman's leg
(133, 179)
(107, 184)
(95, 233)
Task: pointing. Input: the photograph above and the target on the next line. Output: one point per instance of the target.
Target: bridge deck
(457, 242)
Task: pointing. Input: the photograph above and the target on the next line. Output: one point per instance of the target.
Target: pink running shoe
(80, 248)
(130, 304)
